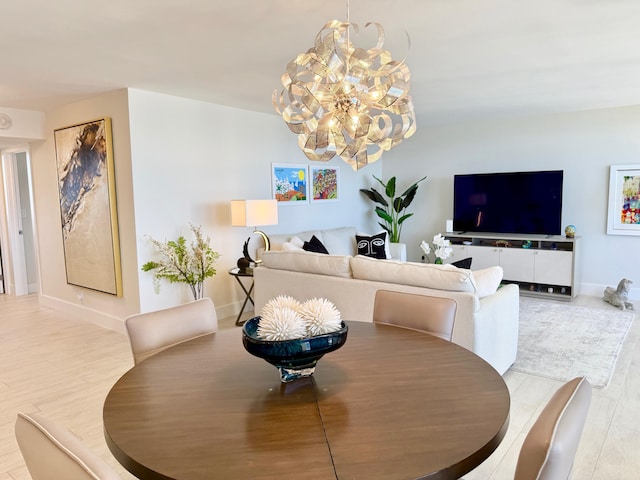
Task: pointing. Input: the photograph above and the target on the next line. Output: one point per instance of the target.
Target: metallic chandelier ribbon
(346, 101)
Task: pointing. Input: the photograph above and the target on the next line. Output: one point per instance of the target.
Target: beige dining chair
(151, 332)
(51, 451)
(550, 446)
(434, 315)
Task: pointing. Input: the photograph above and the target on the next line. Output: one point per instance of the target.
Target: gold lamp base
(245, 249)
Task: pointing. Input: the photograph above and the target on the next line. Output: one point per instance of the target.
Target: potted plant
(392, 209)
(179, 263)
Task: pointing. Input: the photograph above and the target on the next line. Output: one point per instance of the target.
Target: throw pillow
(314, 245)
(464, 263)
(291, 247)
(373, 246)
(487, 280)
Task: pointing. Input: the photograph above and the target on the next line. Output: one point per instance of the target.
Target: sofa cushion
(308, 262)
(295, 244)
(372, 245)
(339, 241)
(488, 280)
(441, 277)
(314, 245)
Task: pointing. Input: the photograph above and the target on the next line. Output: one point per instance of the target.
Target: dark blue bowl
(294, 358)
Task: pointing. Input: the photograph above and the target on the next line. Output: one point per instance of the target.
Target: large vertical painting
(86, 184)
(624, 200)
(289, 184)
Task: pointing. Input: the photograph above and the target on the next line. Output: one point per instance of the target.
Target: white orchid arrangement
(441, 248)
(285, 318)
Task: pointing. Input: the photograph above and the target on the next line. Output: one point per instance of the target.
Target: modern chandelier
(344, 100)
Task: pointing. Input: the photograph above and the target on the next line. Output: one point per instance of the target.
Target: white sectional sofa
(486, 319)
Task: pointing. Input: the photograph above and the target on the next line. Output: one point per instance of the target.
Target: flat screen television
(515, 202)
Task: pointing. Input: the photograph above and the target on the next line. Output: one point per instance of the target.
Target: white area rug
(563, 341)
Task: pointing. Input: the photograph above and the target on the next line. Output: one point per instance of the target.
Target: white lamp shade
(254, 213)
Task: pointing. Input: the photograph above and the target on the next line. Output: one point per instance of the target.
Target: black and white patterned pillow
(373, 246)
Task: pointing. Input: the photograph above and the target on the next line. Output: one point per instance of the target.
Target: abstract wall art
(86, 186)
(289, 183)
(624, 200)
(325, 182)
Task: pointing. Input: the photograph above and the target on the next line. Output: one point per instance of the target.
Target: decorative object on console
(374, 246)
(441, 250)
(344, 100)
(623, 216)
(181, 264)
(393, 208)
(570, 231)
(254, 213)
(619, 297)
(293, 336)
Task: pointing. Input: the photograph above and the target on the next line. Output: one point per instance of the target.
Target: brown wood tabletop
(390, 404)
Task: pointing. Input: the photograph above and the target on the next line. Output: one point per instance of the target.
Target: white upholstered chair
(549, 449)
(51, 451)
(434, 315)
(152, 332)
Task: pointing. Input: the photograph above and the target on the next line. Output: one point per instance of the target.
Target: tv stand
(542, 265)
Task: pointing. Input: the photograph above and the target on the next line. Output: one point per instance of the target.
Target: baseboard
(83, 313)
(596, 290)
(114, 323)
(232, 309)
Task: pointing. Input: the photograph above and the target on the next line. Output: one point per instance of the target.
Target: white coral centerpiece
(277, 324)
(321, 316)
(285, 318)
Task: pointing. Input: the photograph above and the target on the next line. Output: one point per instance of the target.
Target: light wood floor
(63, 367)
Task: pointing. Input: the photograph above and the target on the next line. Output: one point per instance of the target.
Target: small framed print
(624, 200)
(289, 183)
(325, 184)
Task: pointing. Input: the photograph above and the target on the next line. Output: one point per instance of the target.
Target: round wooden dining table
(392, 403)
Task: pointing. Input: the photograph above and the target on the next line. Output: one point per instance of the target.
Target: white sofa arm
(398, 251)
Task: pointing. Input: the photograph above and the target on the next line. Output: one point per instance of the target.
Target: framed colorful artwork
(87, 192)
(624, 200)
(325, 183)
(289, 183)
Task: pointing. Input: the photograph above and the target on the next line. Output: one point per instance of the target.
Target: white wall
(583, 144)
(190, 159)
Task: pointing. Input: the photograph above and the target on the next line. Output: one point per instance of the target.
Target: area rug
(563, 341)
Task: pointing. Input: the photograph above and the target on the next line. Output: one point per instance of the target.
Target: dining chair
(550, 446)
(52, 451)
(434, 315)
(151, 332)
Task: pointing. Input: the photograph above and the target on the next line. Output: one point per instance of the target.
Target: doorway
(19, 262)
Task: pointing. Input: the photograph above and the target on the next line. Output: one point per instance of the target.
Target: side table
(238, 274)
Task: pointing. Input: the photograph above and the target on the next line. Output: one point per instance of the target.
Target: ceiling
(469, 59)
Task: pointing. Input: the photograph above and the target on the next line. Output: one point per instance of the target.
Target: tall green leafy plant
(392, 210)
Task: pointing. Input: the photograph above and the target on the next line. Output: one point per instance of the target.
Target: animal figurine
(618, 297)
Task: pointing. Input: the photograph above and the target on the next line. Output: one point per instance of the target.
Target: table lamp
(254, 213)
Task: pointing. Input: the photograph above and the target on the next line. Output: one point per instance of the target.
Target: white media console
(543, 265)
